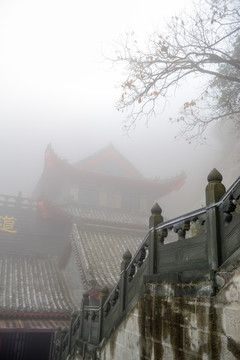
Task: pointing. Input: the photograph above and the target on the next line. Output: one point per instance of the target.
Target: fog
(55, 87)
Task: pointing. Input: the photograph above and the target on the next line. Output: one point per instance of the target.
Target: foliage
(205, 43)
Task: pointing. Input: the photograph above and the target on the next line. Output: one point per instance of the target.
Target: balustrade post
(85, 302)
(214, 191)
(104, 295)
(57, 344)
(123, 280)
(63, 347)
(74, 315)
(154, 220)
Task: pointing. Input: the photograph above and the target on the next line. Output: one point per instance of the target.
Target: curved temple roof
(104, 167)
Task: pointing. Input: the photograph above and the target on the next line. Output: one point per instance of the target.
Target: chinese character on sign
(7, 224)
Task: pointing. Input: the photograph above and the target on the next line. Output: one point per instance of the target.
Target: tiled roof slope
(99, 253)
(107, 215)
(32, 285)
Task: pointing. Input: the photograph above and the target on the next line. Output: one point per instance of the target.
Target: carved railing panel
(86, 324)
(137, 262)
(133, 287)
(229, 221)
(137, 268)
(111, 310)
(75, 331)
(182, 252)
(183, 256)
(65, 346)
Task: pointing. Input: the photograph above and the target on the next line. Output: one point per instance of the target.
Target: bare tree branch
(205, 42)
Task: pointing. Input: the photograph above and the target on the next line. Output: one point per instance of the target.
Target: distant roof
(98, 253)
(109, 161)
(33, 286)
(106, 167)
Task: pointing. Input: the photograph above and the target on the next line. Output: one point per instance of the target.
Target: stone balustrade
(191, 248)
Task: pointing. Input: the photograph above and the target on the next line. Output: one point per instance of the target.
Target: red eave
(58, 172)
(49, 211)
(33, 323)
(152, 186)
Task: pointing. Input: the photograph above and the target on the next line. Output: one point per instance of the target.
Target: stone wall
(167, 328)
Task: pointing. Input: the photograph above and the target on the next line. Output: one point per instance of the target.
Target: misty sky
(55, 88)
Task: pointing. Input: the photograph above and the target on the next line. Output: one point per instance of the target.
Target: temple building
(67, 240)
(109, 202)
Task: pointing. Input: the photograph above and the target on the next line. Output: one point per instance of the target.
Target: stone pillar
(103, 298)
(85, 299)
(57, 344)
(74, 315)
(214, 191)
(123, 281)
(156, 217)
(154, 220)
(85, 302)
(104, 295)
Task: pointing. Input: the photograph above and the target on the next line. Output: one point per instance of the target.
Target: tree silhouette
(204, 42)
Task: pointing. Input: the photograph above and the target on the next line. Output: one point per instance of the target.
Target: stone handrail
(184, 248)
(65, 339)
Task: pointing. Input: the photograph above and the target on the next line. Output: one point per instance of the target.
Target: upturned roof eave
(56, 167)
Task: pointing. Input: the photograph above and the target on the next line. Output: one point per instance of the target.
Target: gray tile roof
(99, 252)
(33, 285)
(107, 215)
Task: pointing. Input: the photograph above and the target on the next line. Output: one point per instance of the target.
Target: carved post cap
(156, 217)
(156, 209)
(214, 175)
(214, 189)
(85, 299)
(127, 256)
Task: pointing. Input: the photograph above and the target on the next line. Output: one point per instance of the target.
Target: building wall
(166, 328)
